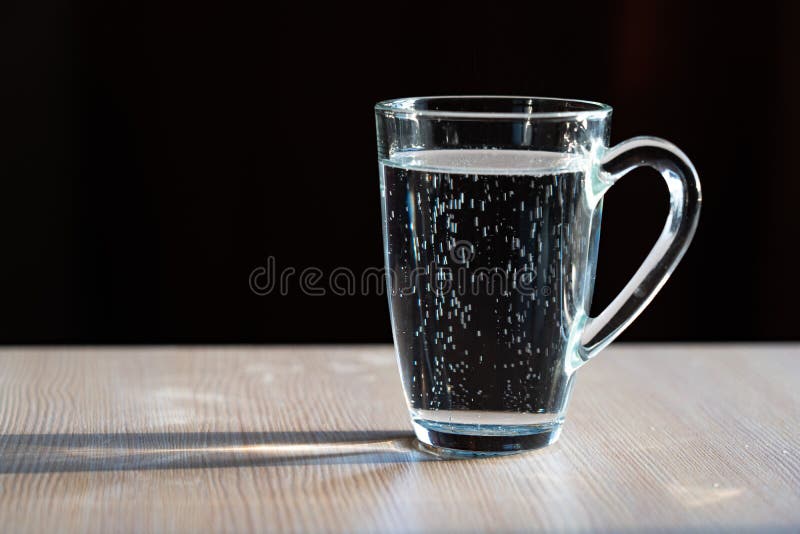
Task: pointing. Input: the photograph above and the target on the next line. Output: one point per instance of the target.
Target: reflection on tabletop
(32, 453)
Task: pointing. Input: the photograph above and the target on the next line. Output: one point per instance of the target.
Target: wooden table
(317, 439)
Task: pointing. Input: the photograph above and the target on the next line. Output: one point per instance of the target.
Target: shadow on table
(40, 453)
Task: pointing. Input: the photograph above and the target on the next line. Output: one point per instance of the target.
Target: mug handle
(684, 210)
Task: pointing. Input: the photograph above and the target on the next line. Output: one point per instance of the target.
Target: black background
(154, 154)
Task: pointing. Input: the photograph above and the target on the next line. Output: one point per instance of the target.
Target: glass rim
(405, 107)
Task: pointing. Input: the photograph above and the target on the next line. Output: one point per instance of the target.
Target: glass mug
(491, 222)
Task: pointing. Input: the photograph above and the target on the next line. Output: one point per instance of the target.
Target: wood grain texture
(669, 437)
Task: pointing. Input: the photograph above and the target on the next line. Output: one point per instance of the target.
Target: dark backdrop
(154, 154)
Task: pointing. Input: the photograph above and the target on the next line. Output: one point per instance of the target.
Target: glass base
(466, 440)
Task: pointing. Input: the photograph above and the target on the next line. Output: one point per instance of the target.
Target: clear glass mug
(491, 222)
